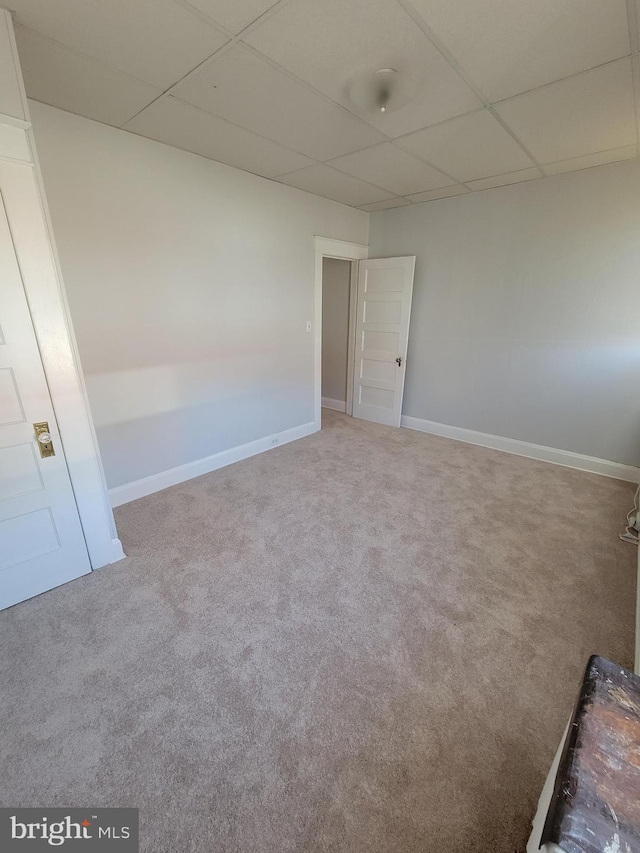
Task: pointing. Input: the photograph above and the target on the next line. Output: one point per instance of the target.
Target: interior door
(385, 287)
(41, 539)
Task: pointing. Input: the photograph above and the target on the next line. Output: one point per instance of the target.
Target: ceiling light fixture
(382, 91)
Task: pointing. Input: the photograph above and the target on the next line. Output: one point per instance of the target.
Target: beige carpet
(368, 640)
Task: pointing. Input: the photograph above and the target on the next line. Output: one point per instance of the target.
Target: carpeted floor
(367, 641)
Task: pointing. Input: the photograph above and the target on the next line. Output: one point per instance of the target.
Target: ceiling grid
(504, 91)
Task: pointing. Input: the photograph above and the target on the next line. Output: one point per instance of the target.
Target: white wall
(336, 279)
(526, 310)
(190, 284)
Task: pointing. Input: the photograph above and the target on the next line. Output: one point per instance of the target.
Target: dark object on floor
(596, 800)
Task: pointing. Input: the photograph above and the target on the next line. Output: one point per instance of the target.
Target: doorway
(379, 313)
(338, 309)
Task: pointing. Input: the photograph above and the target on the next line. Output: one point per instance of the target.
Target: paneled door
(385, 287)
(41, 539)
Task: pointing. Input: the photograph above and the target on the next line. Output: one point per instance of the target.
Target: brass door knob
(45, 439)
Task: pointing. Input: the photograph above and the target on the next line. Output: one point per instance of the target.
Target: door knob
(399, 361)
(45, 441)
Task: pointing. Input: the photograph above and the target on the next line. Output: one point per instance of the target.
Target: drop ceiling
(506, 90)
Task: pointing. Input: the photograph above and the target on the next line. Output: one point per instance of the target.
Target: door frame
(326, 247)
(42, 279)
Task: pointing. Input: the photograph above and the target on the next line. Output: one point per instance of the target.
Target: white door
(385, 287)
(41, 540)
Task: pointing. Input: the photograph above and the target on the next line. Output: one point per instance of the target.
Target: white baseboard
(523, 448)
(156, 482)
(336, 405)
(118, 551)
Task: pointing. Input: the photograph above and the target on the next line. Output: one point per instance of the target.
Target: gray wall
(526, 310)
(336, 277)
(190, 284)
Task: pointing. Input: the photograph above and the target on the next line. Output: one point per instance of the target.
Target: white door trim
(36, 251)
(351, 341)
(326, 247)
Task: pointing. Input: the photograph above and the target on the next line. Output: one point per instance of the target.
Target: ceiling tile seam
(86, 56)
(562, 79)
(383, 136)
(279, 180)
(349, 175)
(384, 201)
(398, 142)
(428, 162)
(442, 49)
(589, 154)
(491, 104)
(343, 174)
(515, 138)
(207, 19)
(404, 151)
(233, 40)
(74, 113)
(196, 154)
(221, 50)
(453, 62)
(260, 19)
(315, 162)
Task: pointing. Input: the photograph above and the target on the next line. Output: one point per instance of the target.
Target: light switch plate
(308, 325)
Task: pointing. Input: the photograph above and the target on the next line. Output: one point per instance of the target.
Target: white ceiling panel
(505, 180)
(391, 168)
(510, 46)
(445, 192)
(468, 147)
(325, 181)
(385, 205)
(590, 112)
(590, 160)
(247, 90)
(67, 79)
(235, 15)
(157, 41)
(178, 124)
(330, 44)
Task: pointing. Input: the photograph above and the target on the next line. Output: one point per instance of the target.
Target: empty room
(320, 425)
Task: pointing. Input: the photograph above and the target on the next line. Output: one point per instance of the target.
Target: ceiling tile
(628, 152)
(235, 15)
(445, 192)
(178, 124)
(325, 181)
(509, 47)
(66, 79)
(247, 90)
(590, 112)
(385, 205)
(330, 44)
(504, 180)
(468, 147)
(391, 168)
(157, 41)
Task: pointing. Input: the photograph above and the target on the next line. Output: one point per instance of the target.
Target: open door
(385, 287)
(41, 539)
